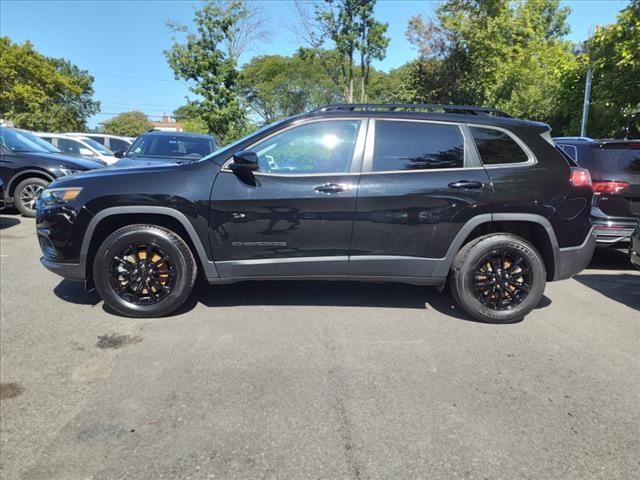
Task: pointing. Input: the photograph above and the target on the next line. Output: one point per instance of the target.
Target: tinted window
(176, 146)
(319, 147)
(618, 160)
(100, 140)
(496, 147)
(570, 150)
(417, 146)
(70, 147)
(117, 145)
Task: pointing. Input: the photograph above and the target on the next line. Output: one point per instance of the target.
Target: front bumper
(572, 260)
(68, 271)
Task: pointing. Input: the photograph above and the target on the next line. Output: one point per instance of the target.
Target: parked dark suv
(615, 169)
(171, 147)
(28, 164)
(419, 194)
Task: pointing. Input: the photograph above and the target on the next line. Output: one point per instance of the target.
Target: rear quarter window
(497, 147)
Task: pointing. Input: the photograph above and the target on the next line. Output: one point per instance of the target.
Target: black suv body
(353, 192)
(615, 170)
(28, 164)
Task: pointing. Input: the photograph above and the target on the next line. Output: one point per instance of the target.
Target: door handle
(332, 188)
(466, 184)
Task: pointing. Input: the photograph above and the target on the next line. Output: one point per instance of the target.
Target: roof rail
(431, 107)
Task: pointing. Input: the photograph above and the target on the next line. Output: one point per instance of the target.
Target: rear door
(294, 216)
(421, 182)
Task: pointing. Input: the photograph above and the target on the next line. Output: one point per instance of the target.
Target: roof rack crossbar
(432, 107)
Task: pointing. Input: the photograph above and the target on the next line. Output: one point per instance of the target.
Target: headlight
(67, 171)
(56, 196)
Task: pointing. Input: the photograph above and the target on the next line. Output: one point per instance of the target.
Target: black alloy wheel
(502, 279)
(498, 278)
(144, 271)
(142, 274)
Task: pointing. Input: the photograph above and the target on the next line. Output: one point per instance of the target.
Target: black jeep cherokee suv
(400, 193)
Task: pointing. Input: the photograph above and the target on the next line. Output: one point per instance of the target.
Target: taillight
(580, 177)
(609, 187)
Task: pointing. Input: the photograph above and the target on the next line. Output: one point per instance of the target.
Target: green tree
(353, 30)
(505, 53)
(128, 124)
(208, 60)
(43, 93)
(275, 86)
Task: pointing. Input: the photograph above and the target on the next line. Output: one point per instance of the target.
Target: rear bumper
(634, 250)
(572, 260)
(611, 230)
(68, 271)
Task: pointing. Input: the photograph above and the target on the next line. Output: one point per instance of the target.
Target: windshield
(97, 146)
(173, 146)
(618, 159)
(16, 141)
(43, 143)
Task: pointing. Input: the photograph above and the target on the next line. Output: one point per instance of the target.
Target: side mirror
(86, 152)
(119, 154)
(244, 161)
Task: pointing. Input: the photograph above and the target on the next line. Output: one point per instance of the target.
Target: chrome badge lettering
(259, 244)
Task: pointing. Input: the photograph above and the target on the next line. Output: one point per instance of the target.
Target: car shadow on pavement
(74, 292)
(331, 294)
(8, 221)
(611, 259)
(623, 288)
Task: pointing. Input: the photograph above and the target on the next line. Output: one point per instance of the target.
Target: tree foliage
(128, 124)
(357, 38)
(43, 93)
(207, 58)
(275, 86)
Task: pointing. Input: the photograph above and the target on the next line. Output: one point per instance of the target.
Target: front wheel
(498, 278)
(144, 271)
(26, 195)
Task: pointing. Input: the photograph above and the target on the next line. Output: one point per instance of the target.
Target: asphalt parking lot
(316, 380)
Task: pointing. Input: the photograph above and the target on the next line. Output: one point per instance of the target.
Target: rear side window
(417, 146)
(97, 139)
(116, 145)
(497, 147)
(570, 150)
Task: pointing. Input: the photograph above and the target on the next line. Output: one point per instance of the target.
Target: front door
(294, 216)
(421, 181)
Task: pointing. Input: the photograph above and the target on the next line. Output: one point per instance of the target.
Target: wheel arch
(23, 175)
(109, 220)
(536, 229)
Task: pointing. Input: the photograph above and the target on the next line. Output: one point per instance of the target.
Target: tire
(24, 195)
(176, 264)
(479, 295)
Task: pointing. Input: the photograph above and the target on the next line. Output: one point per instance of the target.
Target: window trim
(531, 158)
(470, 159)
(356, 159)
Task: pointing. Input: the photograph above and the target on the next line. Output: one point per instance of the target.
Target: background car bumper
(614, 231)
(572, 260)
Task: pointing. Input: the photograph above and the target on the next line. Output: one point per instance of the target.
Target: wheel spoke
(502, 279)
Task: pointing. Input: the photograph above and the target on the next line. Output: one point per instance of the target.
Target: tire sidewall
(18, 191)
(113, 246)
(467, 271)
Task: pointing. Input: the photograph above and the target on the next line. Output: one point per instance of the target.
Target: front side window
(417, 146)
(318, 147)
(118, 145)
(497, 147)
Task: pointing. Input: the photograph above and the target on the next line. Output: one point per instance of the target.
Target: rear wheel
(498, 278)
(26, 194)
(144, 271)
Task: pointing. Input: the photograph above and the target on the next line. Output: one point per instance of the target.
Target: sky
(121, 42)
